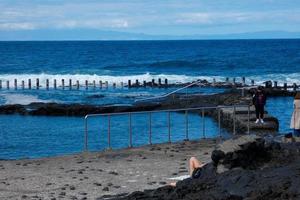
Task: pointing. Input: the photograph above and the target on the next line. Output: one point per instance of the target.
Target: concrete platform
(270, 125)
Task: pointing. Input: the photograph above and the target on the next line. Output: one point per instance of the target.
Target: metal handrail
(168, 94)
(168, 111)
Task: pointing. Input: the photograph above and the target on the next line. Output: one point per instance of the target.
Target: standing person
(259, 101)
(295, 121)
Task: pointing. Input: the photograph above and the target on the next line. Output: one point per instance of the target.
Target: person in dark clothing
(259, 101)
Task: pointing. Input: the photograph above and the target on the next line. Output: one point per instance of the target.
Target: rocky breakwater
(248, 167)
(58, 109)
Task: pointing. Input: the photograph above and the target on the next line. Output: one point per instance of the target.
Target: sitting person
(195, 167)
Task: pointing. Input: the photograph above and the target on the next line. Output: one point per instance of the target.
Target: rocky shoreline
(249, 167)
(176, 101)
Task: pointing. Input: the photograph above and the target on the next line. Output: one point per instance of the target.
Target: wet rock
(113, 173)
(109, 184)
(255, 169)
(72, 187)
(98, 184)
(62, 194)
(244, 152)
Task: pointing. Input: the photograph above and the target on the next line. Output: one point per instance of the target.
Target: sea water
(119, 61)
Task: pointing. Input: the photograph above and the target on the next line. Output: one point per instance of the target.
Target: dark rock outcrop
(56, 109)
(255, 169)
(245, 152)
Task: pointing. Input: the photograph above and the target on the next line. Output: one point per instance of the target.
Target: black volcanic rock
(12, 109)
(271, 172)
(56, 109)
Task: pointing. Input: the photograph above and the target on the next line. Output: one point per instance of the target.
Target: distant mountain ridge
(84, 34)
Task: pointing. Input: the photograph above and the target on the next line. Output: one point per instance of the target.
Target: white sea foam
(281, 78)
(21, 99)
(172, 78)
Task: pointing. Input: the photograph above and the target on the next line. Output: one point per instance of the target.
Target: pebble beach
(100, 175)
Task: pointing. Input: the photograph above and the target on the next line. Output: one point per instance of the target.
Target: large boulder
(246, 151)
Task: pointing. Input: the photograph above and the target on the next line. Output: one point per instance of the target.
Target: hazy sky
(171, 17)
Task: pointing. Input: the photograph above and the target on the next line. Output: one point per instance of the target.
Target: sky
(151, 17)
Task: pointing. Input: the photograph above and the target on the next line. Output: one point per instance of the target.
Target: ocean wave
(172, 78)
(160, 64)
(21, 99)
(280, 78)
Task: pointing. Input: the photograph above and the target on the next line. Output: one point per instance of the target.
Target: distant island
(93, 34)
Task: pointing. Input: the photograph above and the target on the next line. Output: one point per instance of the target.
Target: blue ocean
(120, 61)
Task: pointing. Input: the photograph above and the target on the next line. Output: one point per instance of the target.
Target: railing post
(54, 84)
(234, 120)
(63, 83)
(47, 84)
(186, 125)
(37, 83)
(16, 84)
(166, 82)
(29, 84)
(248, 126)
(108, 132)
(129, 83)
(203, 123)
(77, 85)
(86, 133)
(130, 131)
(70, 84)
(169, 126)
(150, 129)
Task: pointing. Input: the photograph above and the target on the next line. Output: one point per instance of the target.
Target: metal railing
(168, 125)
(168, 94)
